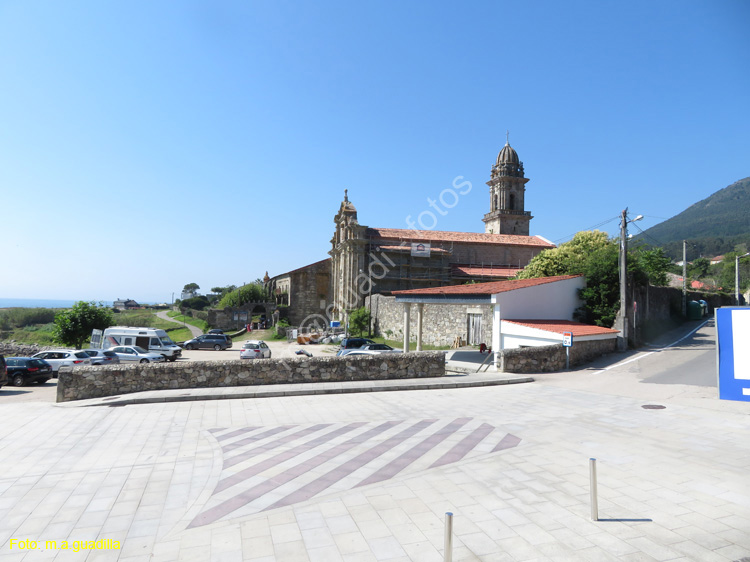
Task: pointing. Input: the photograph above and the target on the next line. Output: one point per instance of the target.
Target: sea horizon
(51, 303)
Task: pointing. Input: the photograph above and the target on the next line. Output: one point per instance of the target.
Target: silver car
(255, 349)
(102, 356)
(136, 354)
(63, 358)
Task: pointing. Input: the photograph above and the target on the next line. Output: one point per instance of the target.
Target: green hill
(714, 226)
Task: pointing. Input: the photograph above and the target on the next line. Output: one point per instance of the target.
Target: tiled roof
(562, 326)
(458, 237)
(484, 270)
(484, 288)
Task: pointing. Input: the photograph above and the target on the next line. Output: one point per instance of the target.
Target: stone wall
(236, 318)
(551, 358)
(13, 349)
(80, 383)
(440, 325)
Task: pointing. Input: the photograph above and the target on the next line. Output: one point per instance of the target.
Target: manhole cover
(653, 407)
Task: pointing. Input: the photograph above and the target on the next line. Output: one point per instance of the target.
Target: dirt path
(193, 330)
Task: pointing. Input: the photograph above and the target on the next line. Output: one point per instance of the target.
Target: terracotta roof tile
(562, 326)
(484, 288)
(458, 237)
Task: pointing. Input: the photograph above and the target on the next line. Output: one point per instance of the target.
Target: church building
(366, 261)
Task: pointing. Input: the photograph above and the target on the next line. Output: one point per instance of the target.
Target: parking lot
(47, 392)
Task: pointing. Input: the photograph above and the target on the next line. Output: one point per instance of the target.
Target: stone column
(407, 308)
(420, 314)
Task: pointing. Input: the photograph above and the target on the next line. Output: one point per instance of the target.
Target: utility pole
(622, 340)
(684, 279)
(622, 318)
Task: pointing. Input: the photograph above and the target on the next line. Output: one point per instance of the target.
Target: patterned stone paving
(266, 468)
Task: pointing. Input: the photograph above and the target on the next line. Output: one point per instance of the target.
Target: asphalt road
(691, 362)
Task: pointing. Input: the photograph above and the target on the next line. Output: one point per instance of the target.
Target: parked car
(63, 357)
(102, 356)
(136, 354)
(210, 341)
(375, 347)
(355, 343)
(255, 349)
(352, 352)
(3, 372)
(24, 370)
(215, 331)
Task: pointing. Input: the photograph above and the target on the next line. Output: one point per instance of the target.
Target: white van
(153, 340)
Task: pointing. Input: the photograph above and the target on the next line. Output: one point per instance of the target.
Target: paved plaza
(369, 476)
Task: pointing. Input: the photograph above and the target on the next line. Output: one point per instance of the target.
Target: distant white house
(188, 294)
(125, 304)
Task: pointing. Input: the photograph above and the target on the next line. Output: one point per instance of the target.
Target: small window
(12, 362)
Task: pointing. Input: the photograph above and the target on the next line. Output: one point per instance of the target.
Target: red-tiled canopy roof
(562, 326)
(484, 288)
(457, 237)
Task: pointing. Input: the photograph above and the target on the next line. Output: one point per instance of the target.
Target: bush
(359, 321)
(21, 317)
(196, 303)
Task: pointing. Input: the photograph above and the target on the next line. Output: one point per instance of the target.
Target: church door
(474, 329)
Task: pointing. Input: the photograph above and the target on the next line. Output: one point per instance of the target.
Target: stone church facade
(366, 261)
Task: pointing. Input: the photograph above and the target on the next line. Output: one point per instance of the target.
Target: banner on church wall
(420, 250)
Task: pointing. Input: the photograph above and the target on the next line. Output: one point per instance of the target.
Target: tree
(594, 255)
(699, 268)
(73, 326)
(196, 303)
(359, 321)
(653, 263)
(190, 288)
(245, 294)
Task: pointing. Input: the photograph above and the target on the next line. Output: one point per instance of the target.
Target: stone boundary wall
(551, 358)
(79, 383)
(13, 349)
(440, 325)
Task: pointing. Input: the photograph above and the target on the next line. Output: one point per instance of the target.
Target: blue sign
(733, 352)
(335, 323)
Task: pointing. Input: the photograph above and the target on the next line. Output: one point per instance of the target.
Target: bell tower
(507, 188)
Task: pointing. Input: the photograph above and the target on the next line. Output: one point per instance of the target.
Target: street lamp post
(737, 277)
(622, 340)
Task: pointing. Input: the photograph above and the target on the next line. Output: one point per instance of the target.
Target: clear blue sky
(149, 144)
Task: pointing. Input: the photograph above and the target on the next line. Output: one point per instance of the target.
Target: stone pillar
(407, 308)
(420, 314)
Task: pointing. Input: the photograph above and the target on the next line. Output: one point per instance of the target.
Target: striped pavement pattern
(269, 467)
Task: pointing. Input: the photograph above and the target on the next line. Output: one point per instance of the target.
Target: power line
(589, 228)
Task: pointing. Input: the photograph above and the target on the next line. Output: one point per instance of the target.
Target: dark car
(209, 341)
(215, 331)
(102, 356)
(355, 343)
(3, 371)
(23, 370)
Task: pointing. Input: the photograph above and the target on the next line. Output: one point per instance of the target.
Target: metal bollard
(448, 537)
(592, 484)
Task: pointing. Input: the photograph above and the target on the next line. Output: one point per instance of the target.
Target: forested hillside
(716, 225)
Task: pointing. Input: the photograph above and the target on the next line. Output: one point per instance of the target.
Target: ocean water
(41, 303)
